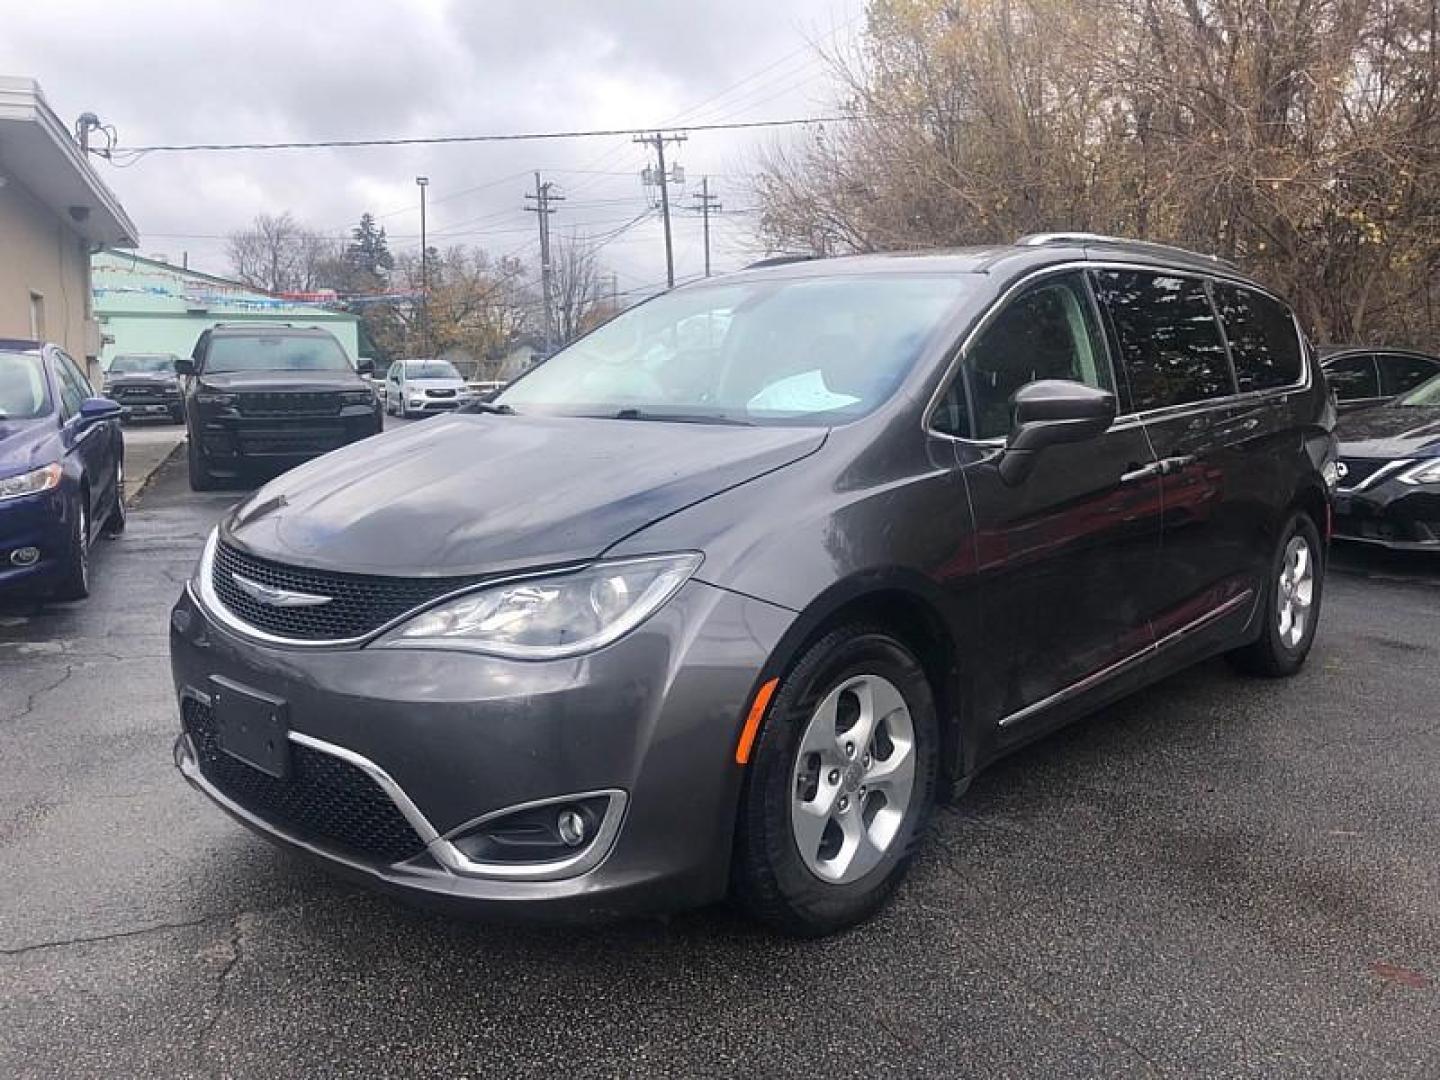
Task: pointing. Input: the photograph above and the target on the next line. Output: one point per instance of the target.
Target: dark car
(1364, 376)
(1389, 473)
(62, 471)
(721, 597)
(146, 384)
(271, 396)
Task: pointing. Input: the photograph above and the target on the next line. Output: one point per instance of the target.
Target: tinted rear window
(1263, 342)
(1169, 341)
(1353, 377)
(275, 352)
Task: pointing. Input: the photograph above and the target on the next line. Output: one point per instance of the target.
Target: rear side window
(1399, 374)
(1048, 332)
(1263, 341)
(1353, 377)
(1169, 341)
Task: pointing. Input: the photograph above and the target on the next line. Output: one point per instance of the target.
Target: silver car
(417, 387)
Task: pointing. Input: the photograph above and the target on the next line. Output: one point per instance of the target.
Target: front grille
(307, 439)
(1358, 470)
(441, 393)
(300, 403)
(324, 799)
(359, 603)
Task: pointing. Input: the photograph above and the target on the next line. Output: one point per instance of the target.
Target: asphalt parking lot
(1217, 877)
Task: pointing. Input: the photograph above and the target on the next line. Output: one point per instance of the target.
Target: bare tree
(1300, 137)
(577, 292)
(277, 254)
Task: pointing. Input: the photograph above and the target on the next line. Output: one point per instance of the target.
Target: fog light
(571, 827)
(26, 556)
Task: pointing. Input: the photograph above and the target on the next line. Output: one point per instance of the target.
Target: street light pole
(423, 182)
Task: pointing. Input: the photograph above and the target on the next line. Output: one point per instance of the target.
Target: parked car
(1364, 376)
(62, 471)
(272, 395)
(1389, 473)
(145, 384)
(671, 618)
(417, 387)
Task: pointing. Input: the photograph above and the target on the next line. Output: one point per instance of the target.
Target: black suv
(271, 396)
(723, 595)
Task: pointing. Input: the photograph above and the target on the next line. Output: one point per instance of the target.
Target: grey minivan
(721, 598)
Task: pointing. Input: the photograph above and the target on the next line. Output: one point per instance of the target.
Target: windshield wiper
(499, 409)
(679, 418)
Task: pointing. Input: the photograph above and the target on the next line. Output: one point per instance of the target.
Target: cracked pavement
(1217, 877)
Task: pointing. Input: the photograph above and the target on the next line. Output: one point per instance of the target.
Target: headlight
(551, 616)
(357, 397)
(31, 483)
(209, 397)
(1427, 472)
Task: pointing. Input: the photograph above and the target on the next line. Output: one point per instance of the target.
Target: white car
(416, 387)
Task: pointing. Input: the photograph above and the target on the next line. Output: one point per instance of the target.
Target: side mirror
(184, 365)
(365, 366)
(1050, 412)
(95, 409)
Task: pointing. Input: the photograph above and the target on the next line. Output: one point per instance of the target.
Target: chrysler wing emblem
(268, 594)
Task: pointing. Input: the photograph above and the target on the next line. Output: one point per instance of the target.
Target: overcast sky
(267, 70)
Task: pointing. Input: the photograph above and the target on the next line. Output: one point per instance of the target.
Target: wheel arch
(909, 606)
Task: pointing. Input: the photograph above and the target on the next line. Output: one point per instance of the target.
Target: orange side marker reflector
(752, 722)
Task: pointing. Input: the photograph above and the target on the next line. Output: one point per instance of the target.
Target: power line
(431, 140)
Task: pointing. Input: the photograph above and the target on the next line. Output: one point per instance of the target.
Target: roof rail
(251, 324)
(780, 260)
(1082, 239)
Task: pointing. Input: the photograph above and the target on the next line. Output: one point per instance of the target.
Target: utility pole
(664, 180)
(423, 182)
(706, 202)
(542, 209)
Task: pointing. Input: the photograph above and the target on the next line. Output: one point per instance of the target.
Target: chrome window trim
(1123, 420)
(1096, 678)
(446, 853)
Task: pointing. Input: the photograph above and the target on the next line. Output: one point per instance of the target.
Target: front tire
(841, 784)
(201, 478)
(1292, 604)
(75, 581)
(115, 519)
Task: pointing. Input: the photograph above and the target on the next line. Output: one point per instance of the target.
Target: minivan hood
(485, 493)
(1391, 431)
(238, 381)
(437, 383)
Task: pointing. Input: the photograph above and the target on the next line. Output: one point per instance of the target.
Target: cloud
(267, 70)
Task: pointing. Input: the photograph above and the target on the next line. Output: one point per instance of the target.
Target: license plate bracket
(251, 727)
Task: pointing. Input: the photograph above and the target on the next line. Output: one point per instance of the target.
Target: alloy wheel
(1295, 593)
(853, 779)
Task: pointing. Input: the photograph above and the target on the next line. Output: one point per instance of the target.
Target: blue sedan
(62, 471)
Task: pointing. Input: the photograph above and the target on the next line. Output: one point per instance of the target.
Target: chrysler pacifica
(720, 599)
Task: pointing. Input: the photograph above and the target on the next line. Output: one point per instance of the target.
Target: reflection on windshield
(156, 364)
(23, 393)
(1426, 394)
(275, 352)
(805, 350)
(430, 369)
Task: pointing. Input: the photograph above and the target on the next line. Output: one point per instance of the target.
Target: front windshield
(24, 394)
(275, 352)
(430, 369)
(143, 364)
(1426, 394)
(765, 352)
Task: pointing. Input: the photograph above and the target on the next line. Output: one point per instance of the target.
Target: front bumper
(435, 404)
(1391, 514)
(450, 738)
(40, 521)
(229, 441)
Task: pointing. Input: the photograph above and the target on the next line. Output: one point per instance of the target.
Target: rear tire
(201, 478)
(75, 582)
(806, 863)
(1291, 606)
